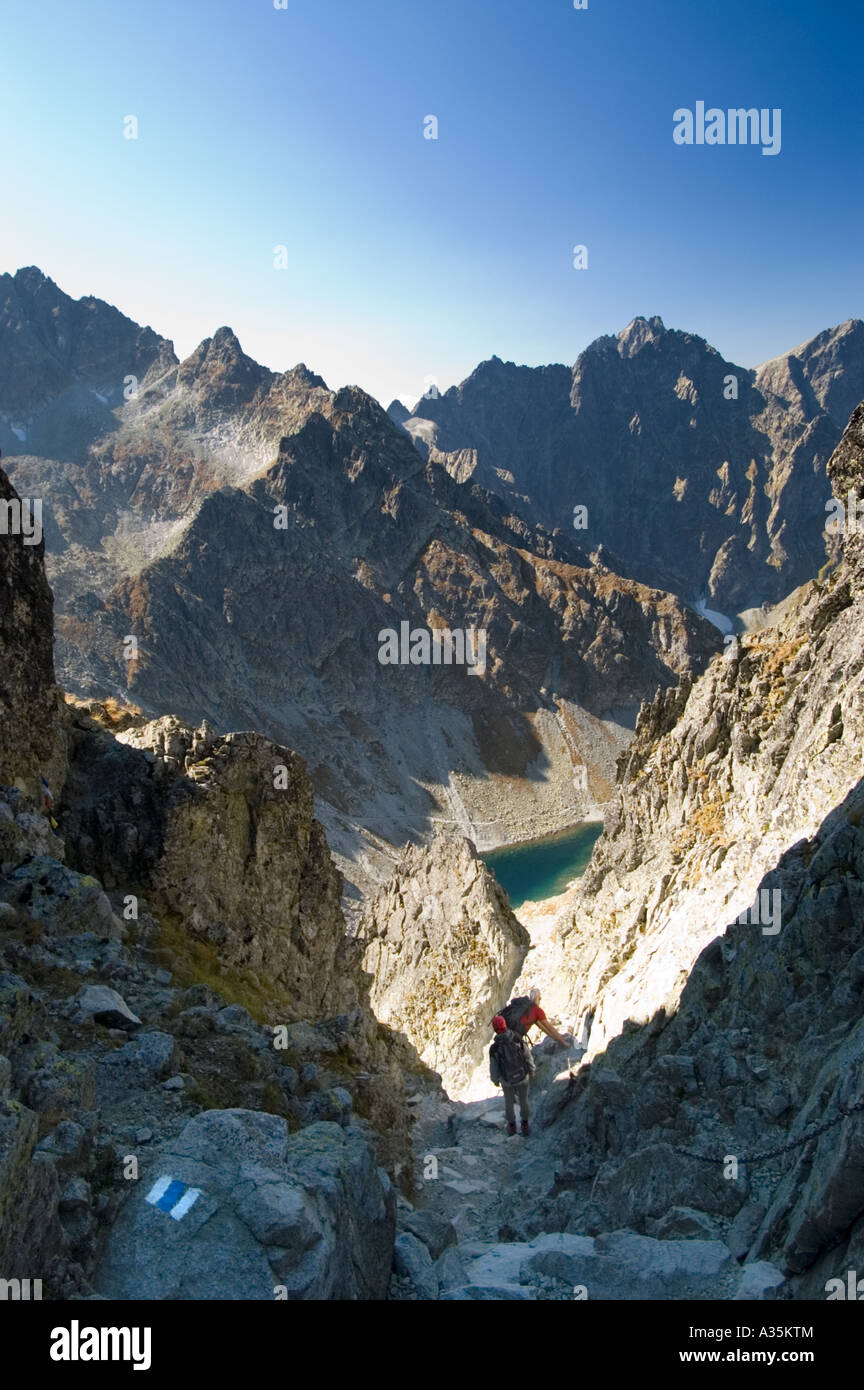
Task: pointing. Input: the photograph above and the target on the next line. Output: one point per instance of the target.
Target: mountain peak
(219, 363)
(304, 376)
(225, 334)
(30, 277)
(638, 332)
(225, 346)
(398, 412)
(832, 362)
(53, 347)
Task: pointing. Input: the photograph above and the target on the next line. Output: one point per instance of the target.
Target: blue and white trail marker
(173, 1196)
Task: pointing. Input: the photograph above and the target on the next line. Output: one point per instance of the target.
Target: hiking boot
(526, 1128)
(511, 1128)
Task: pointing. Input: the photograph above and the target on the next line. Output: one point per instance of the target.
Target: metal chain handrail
(844, 1113)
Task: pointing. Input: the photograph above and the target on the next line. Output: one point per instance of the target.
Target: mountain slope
(224, 933)
(715, 951)
(31, 732)
(249, 624)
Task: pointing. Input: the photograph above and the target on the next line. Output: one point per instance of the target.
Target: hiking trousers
(511, 1094)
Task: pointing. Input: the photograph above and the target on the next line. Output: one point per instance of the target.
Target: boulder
(107, 1007)
(54, 1083)
(619, 1265)
(435, 1231)
(144, 1061)
(668, 1269)
(75, 1195)
(511, 1263)
(651, 1180)
(58, 900)
(67, 1146)
(411, 1260)
(306, 1041)
(304, 1216)
(760, 1282)
(450, 1269)
(742, 1231)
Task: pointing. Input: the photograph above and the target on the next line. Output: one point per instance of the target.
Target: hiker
(48, 804)
(511, 1067)
(522, 1013)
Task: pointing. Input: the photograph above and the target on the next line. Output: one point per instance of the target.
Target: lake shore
(541, 870)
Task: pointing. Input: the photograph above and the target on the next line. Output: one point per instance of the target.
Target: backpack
(514, 1012)
(512, 1062)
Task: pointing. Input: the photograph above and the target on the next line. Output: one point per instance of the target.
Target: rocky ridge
(708, 477)
(220, 833)
(724, 777)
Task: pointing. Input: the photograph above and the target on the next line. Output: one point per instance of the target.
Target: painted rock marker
(173, 1196)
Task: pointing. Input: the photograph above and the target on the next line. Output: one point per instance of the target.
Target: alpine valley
(247, 934)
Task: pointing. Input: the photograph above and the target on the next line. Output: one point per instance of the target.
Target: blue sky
(411, 259)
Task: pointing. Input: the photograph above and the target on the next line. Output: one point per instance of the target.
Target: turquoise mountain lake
(539, 869)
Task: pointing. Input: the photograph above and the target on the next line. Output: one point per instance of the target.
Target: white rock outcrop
(444, 949)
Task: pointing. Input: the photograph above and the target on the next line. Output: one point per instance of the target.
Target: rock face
(765, 1047)
(395, 747)
(708, 477)
(255, 534)
(723, 778)
(109, 1043)
(31, 738)
(269, 896)
(65, 363)
(228, 844)
(443, 951)
(717, 943)
(303, 1216)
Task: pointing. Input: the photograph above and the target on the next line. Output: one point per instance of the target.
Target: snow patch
(427, 430)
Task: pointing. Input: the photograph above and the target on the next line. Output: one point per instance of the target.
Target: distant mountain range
(255, 532)
(699, 476)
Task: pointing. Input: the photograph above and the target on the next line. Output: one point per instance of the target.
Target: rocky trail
(457, 1244)
(476, 1158)
(465, 1160)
